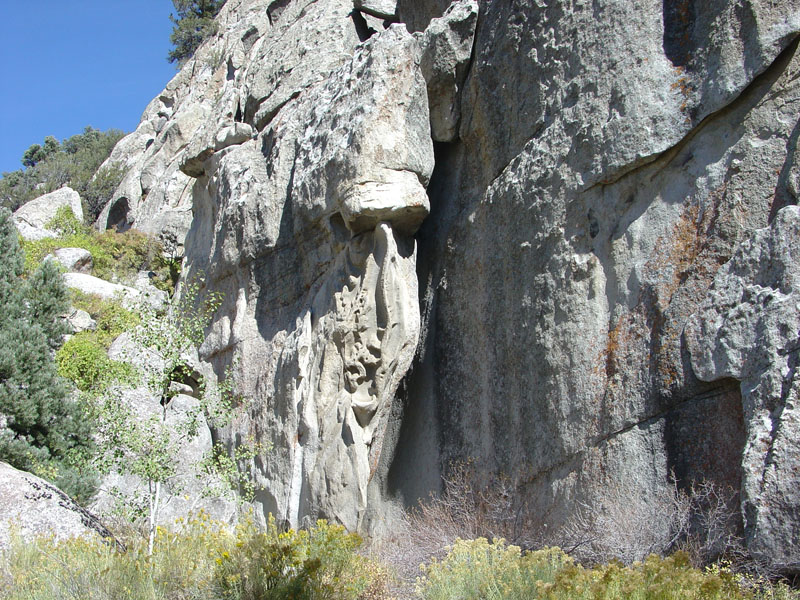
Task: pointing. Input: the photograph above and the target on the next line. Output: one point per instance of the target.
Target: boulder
(75, 260)
(30, 507)
(129, 296)
(32, 217)
(80, 320)
(383, 9)
(446, 52)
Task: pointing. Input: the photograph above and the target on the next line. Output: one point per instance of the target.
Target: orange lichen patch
(627, 343)
(685, 86)
(677, 253)
(619, 339)
(680, 270)
(682, 267)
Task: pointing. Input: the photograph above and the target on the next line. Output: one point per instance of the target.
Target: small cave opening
(185, 381)
(705, 436)
(118, 215)
(363, 30)
(704, 441)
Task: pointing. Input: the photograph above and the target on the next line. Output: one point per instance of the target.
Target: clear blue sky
(71, 63)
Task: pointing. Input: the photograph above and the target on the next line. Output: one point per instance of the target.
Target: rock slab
(593, 173)
(75, 260)
(749, 329)
(31, 507)
(31, 218)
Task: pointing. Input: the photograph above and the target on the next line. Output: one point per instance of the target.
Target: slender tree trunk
(155, 498)
(155, 486)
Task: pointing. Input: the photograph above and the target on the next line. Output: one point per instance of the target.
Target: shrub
(100, 188)
(702, 520)
(193, 24)
(466, 509)
(112, 318)
(65, 222)
(478, 569)
(116, 256)
(200, 560)
(161, 346)
(180, 568)
(318, 563)
(84, 361)
(74, 162)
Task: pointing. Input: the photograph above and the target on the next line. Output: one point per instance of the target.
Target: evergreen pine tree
(41, 428)
(193, 24)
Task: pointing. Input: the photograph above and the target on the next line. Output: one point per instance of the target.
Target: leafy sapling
(147, 445)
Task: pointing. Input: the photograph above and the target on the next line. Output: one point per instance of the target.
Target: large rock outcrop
(595, 165)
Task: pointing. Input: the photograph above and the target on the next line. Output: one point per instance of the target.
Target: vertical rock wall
(590, 169)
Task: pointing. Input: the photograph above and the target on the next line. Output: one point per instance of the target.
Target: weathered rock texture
(596, 164)
(748, 328)
(31, 507)
(130, 297)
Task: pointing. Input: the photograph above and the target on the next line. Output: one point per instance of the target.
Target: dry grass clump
(702, 521)
(464, 510)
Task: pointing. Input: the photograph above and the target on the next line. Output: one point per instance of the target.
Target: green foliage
(167, 338)
(36, 153)
(98, 190)
(73, 162)
(193, 24)
(172, 335)
(84, 361)
(122, 255)
(116, 256)
(477, 569)
(111, 317)
(65, 222)
(223, 467)
(181, 567)
(197, 562)
(44, 430)
(46, 301)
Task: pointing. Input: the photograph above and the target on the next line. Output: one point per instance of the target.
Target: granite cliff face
(555, 238)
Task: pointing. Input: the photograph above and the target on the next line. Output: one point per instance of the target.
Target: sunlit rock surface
(524, 283)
